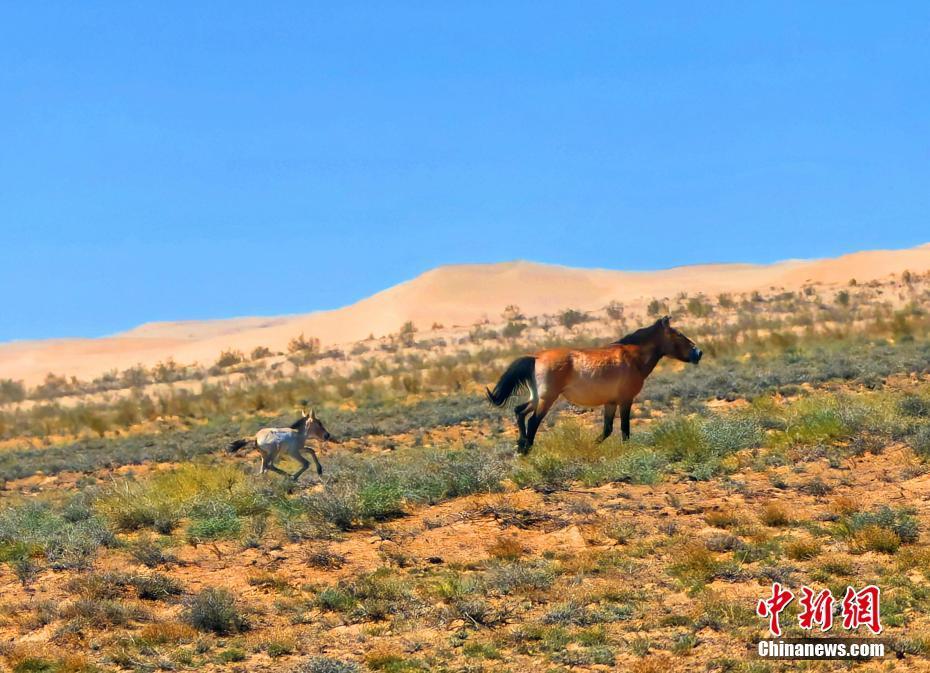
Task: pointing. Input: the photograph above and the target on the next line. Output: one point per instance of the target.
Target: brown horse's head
(673, 343)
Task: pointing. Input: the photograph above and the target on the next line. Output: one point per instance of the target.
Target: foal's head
(673, 343)
(315, 427)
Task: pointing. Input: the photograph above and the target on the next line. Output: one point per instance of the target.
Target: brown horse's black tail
(519, 377)
(238, 444)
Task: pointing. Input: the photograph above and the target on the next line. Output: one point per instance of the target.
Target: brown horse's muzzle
(696, 355)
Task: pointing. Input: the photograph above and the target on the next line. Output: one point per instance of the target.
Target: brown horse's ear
(665, 321)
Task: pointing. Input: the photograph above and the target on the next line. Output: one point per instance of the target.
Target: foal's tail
(238, 444)
(519, 377)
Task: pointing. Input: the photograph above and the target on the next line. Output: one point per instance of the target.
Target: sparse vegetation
(144, 546)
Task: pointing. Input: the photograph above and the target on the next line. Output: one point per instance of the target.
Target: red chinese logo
(772, 607)
(859, 608)
(818, 609)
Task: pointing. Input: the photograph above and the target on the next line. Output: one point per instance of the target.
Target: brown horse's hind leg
(521, 411)
(610, 410)
(533, 425)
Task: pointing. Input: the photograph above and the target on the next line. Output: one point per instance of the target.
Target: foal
(611, 376)
(270, 442)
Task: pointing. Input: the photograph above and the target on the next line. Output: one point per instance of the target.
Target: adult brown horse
(611, 376)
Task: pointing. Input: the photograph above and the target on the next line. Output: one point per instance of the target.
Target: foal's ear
(312, 414)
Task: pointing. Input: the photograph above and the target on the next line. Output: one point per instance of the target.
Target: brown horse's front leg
(610, 410)
(625, 410)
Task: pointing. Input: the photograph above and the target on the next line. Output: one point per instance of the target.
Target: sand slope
(451, 295)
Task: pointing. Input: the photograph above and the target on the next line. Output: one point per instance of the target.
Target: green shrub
(156, 587)
(335, 599)
(900, 523)
(380, 500)
(149, 553)
(337, 504)
(326, 665)
(34, 529)
(914, 405)
(213, 521)
(920, 441)
(215, 610)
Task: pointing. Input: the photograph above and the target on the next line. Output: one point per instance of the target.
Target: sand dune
(451, 295)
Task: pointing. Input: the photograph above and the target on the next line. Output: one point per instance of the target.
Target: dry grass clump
(656, 663)
(803, 549)
(914, 558)
(38, 659)
(694, 563)
(325, 558)
(165, 633)
(776, 515)
(392, 660)
(724, 518)
(268, 580)
(506, 548)
(875, 538)
(844, 505)
(838, 565)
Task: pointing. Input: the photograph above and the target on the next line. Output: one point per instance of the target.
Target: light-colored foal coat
(272, 441)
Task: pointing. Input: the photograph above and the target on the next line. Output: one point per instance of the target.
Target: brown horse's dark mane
(639, 337)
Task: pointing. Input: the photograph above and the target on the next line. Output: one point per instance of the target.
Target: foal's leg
(625, 409)
(294, 452)
(319, 468)
(274, 468)
(268, 461)
(610, 410)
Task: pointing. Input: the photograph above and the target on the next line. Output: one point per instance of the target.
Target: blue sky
(165, 161)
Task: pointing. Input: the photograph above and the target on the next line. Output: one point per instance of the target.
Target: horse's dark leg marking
(625, 409)
(610, 410)
(319, 468)
(273, 468)
(304, 464)
(520, 412)
(541, 410)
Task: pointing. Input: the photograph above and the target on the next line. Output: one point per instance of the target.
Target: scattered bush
(229, 358)
(217, 611)
(326, 665)
(776, 514)
(882, 529)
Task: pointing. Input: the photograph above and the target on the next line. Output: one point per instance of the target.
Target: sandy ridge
(450, 295)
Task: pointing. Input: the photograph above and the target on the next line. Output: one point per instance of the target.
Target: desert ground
(796, 452)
